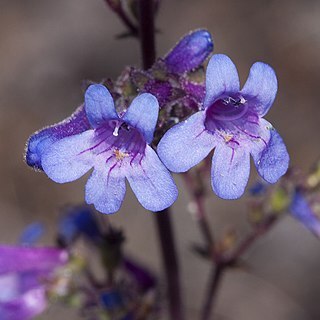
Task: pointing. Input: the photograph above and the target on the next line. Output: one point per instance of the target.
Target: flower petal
(24, 259)
(221, 77)
(152, 183)
(230, 171)
(186, 144)
(273, 160)
(26, 306)
(105, 189)
(43, 139)
(99, 105)
(143, 114)
(262, 85)
(70, 158)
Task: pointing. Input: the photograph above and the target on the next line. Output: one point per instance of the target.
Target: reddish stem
(117, 8)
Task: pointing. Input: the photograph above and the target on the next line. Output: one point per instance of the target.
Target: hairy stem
(163, 219)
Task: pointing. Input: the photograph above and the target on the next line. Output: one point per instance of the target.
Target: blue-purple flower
(117, 147)
(167, 80)
(231, 122)
(302, 210)
(23, 275)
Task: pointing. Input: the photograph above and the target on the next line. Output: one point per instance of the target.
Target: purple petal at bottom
(152, 183)
(105, 189)
(230, 171)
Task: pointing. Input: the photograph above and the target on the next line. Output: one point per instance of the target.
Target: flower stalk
(223, 262)
(163, 220)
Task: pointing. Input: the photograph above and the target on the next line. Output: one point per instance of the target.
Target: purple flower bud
(190, 52)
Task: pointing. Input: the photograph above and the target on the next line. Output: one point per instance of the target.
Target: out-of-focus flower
(76, 221)
(134, 295)
(118, 149)
(313, 180)
(259, 188)
(231, 122)
(302, 210)
(111, 300)
(144, 279)
(23, 275)
(32, 233)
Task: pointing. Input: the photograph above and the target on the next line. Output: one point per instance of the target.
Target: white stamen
(242, 100)
(116, 130)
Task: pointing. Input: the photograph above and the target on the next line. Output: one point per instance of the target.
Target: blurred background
(47, 48)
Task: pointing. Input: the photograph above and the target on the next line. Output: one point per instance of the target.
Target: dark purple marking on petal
(252, 135)
(232, 118)
(228, 107)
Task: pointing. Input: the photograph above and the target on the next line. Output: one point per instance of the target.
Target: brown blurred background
(48, 47)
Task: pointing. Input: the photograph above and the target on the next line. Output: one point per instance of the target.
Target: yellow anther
(119, 154)
(227, 137)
